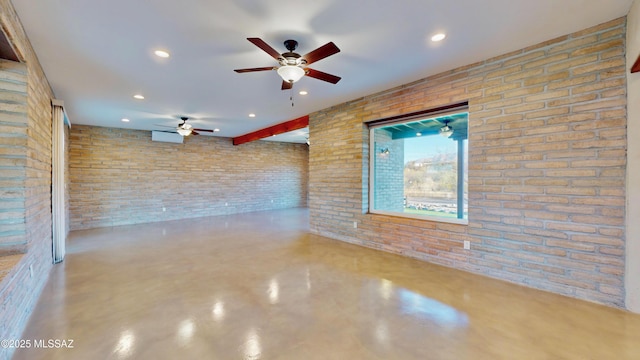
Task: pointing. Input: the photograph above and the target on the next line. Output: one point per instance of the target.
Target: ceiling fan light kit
(293, 66)
(291, 73)
(185, 129)
(184, 132)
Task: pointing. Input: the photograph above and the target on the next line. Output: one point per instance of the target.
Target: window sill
(422, 217)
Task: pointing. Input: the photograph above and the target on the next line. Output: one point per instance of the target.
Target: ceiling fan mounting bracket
(290, 45)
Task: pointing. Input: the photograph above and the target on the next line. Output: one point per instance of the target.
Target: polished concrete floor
(259, 286)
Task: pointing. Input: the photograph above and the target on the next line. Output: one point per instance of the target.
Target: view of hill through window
(419, 167)
(431, 175)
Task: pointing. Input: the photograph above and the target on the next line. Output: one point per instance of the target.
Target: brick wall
(547, 141)
(13, 156)
(27, 273)
(121, 177)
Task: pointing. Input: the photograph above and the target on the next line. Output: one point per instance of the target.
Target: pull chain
(291, 96)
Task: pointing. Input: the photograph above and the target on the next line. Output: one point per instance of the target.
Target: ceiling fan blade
(322, 52)
(167, 131)
(323, 76)
(193, 132)
(205, 130)
(254, 69)
(265, 47)
(286, 85)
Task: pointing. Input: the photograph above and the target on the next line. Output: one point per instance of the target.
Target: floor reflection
(432, 310)
(185, 331)
(218, 311)
(125, 347)
(252, 348)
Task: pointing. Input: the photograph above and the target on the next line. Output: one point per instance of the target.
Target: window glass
(419, 168)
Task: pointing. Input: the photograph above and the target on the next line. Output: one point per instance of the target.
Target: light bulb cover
(446, 131)
(290, 73)
(184, 132)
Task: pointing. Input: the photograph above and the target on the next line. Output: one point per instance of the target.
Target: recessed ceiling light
(125, 120)
(418, 134)
(161, 53)
(138, 96)
(252, 115)
(303, 92)
(216, 130)
(438, 37)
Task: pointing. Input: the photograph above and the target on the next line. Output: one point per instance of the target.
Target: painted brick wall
(122, 177)
(389, 172)
(22, 284)
(546, 167)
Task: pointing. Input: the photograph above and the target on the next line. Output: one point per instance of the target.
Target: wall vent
(166, 137)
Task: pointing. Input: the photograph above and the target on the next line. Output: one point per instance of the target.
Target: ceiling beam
(281, 128)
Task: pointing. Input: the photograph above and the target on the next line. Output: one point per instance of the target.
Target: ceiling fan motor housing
(291, 58)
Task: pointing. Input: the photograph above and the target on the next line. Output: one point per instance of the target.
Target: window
(418, 166)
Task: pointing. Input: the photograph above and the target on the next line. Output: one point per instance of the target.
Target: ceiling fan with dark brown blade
(293, 66)
(185, 129)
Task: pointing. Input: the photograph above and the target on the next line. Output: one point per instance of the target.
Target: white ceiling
(97, 54)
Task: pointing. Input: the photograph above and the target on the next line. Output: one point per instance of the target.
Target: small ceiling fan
(293, 66)
(185, 129)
